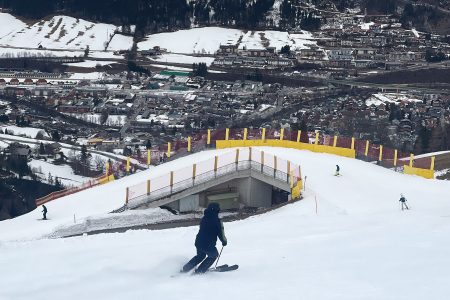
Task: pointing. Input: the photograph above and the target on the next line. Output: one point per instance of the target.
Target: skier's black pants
(404, 205)
(200, 258)
(45, 216)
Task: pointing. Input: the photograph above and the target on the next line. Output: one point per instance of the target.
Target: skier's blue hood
(213, 209)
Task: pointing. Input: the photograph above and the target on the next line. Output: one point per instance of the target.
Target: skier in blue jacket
(211, 228)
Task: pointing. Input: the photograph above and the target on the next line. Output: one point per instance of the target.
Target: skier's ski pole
(217, 261)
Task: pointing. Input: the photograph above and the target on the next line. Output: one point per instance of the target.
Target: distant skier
(337, 171)
(44, 211)
(403, 201)
(211, 228)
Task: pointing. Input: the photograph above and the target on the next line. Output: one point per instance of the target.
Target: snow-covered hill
(61, 32)
(359, 245)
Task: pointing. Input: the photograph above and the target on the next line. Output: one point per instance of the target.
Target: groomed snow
(360, 245)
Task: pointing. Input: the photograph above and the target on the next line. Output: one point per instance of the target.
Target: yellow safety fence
(426, 173)
(296, 190)
(106, 179)
(346, 152)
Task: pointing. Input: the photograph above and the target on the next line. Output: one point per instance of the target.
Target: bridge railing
(204, 171)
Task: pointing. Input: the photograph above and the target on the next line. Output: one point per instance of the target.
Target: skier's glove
(224, 243)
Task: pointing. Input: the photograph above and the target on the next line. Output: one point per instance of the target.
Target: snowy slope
(60, 32)
(358, 246)
(9, 24)
(96, 201)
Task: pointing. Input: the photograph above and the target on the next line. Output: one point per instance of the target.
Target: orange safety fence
(86, 185)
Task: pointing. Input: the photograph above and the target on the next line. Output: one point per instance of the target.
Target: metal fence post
(216, 162)
(275, 166)
(262, 161)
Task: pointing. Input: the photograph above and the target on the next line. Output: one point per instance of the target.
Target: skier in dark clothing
(211, 228)
(403, 201)
(337, 171)
(44, 211)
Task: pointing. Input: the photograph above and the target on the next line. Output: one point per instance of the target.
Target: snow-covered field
(195, 40)
(359, 245)
(26, 131)
(207, 40)
(91, 63)
(112, 120)
(379, 98)
(63, 172)
(183, 59)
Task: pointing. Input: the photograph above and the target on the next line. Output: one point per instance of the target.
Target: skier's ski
(224, 268)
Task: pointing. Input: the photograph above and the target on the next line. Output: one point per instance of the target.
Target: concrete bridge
(234, 186)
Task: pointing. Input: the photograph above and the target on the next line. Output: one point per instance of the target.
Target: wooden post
(245, 134)
(432, 163)
(171, 180)
(148, 187)
(380, 157)
(127, 197)
(299, 172)
(249, 153)
(227, 134)
(282, 134)
(395, 157)
(194, 171)
(299, 135)
(316, 141)
(411, 160)
(367, 148)
(107, 169)
(208, 139)
(335, 141)
(149, 159)
(168, 150)
(263, 135)
(189, 144)
(216, 163)
(353, 143)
